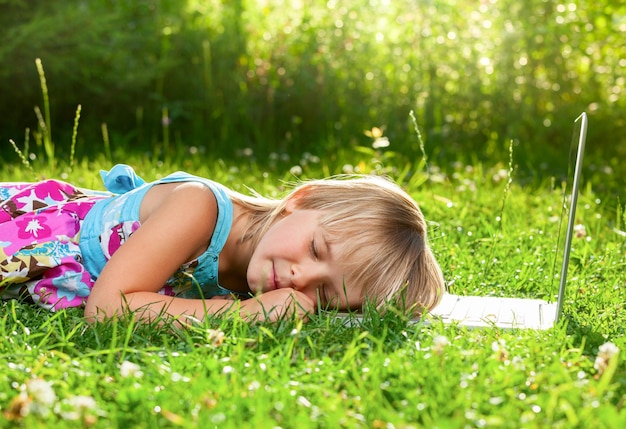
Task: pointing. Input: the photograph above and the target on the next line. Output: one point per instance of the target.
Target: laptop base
(487, 311)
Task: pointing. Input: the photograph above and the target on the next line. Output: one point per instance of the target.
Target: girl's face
(295, 253)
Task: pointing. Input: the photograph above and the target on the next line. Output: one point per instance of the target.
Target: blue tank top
(196, 279)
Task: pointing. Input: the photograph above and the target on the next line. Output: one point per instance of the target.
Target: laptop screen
(570, 199)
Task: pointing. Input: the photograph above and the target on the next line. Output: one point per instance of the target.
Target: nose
(305, 276)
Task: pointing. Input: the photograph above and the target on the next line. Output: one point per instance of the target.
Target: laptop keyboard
(482, 311)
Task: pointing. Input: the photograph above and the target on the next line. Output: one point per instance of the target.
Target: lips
(273, 280)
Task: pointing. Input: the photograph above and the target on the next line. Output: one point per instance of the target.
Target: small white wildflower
(228, 369)
(42, 396)
(381, 142)
(496, 400)
(437, 177)
(82, 402)
(76, 407)
(218, 418)
(303, 401)
(347, 169)
(580, 231)
(41, 391)
(497, 346)
(296, 170)
(606, 352)
(130, 369)
(500, 175)
(440, 342)
(176, 377)
(500, 351)
(216, 337)
(609, 350)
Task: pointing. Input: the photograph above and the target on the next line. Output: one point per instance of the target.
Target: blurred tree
(311, 76)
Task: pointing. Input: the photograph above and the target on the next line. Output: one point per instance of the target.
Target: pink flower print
(80, 208)
(112, 239)
(116, 239)
(54, 191)
(32, 227)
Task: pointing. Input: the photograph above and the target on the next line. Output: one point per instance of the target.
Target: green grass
(382, 373)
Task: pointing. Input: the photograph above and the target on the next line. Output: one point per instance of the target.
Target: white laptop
(519, 313)
(484, 311)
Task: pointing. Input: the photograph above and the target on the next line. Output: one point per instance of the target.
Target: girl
(165, 248)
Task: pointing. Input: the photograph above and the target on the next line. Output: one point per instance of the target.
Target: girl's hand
(278, 303)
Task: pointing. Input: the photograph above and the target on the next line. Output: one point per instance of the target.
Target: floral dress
(55, 238)
(40, 258)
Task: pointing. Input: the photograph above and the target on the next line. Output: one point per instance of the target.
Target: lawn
(491, 236)
(261, 94)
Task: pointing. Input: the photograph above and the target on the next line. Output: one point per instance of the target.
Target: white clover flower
(580, 231)
(176, 377)
(498, 346)
(296, 170)
(130, 369)
(82, 402)
(76, 407)
(501, 174)
(500, 351)
(41, 392)
(41, 395)
(216, 337)
(609, 350)
(440, 342)
(347, 169)
(303, 401)
(605, 353)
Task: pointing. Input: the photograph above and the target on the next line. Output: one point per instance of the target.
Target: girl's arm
(177, 228)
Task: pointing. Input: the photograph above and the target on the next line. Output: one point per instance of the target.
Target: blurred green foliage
(293, 76)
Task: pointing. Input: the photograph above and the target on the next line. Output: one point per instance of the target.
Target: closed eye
(313, 249)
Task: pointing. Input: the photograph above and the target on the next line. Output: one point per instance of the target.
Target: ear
(291, 204)
(293, 200)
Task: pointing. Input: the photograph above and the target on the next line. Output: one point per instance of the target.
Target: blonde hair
(381, 230)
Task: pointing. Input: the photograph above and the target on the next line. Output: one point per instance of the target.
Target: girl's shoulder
(183, 199)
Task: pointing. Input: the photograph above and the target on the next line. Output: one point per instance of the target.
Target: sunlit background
(270, 79)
